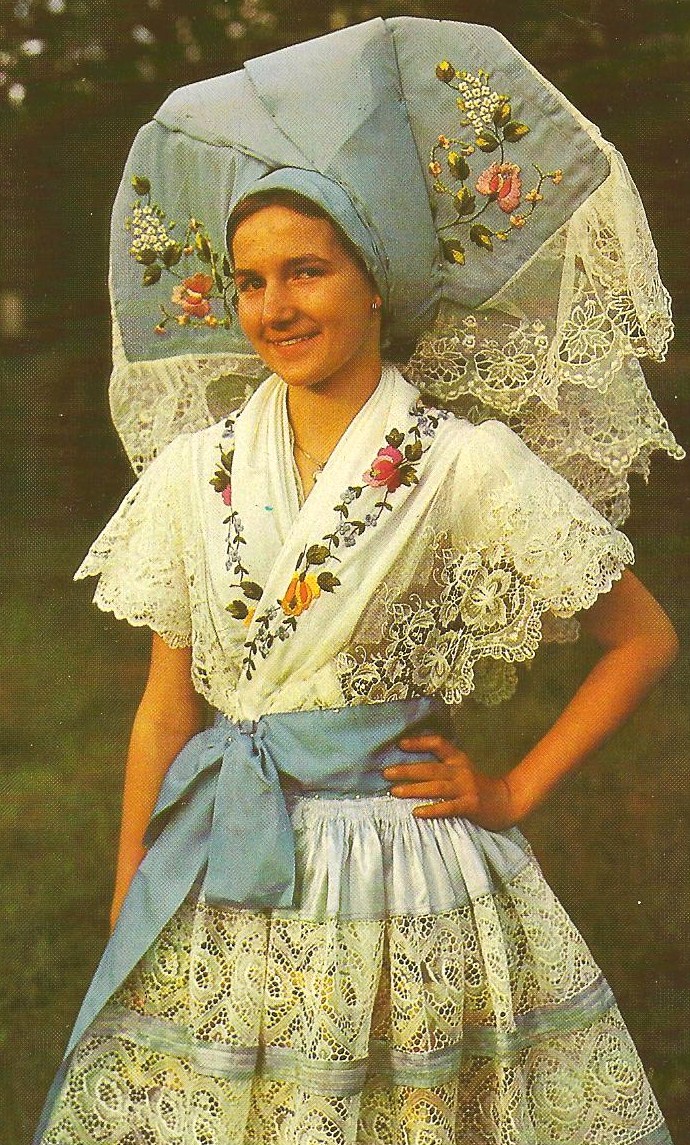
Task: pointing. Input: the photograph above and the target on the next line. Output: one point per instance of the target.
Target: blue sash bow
(221, 822)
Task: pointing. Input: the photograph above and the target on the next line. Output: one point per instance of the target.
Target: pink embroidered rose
(385, 469)
(192, 295)
(503, 181)
(226, 494)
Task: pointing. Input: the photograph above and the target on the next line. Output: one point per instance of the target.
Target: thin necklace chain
(314, 460)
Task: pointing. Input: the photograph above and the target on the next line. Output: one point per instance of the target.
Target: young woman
(327, 927)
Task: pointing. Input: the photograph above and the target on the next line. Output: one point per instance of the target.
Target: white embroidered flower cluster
(149, 231)
(477, 99)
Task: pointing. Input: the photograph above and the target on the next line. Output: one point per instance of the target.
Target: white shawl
(428, 546)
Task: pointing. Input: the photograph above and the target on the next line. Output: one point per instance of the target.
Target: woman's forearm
(606, 698)
(169, 714)
(152, 748)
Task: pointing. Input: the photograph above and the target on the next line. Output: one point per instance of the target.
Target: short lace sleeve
(557, 542)
(140, 555)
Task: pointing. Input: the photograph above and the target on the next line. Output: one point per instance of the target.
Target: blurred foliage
(52, 51)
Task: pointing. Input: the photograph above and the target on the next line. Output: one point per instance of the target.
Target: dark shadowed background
(77, 77)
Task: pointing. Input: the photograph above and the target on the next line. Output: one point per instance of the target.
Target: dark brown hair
(294, 201)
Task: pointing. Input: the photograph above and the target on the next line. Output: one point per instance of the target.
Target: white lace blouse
(422, 563)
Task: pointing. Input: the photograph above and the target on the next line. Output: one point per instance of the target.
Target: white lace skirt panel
(484, 1021)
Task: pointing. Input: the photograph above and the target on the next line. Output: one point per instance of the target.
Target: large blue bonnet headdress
(505, 235)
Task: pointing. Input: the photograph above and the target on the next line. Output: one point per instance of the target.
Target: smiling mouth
(290, 341)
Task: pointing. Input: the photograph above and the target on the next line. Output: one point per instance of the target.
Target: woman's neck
(319, 416)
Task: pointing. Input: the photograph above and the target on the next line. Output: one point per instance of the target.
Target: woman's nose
(277, 305)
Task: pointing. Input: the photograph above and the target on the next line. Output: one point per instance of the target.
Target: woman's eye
(244, 285)
(309, 272)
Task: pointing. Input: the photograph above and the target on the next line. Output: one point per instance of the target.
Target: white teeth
(293, 341)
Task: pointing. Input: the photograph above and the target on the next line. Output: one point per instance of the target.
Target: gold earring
(376, 305)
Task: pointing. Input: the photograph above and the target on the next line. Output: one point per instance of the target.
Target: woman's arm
(169, 714)
(639, 645)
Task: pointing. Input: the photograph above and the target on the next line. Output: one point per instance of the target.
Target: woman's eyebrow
(302, 258)
(289, 264)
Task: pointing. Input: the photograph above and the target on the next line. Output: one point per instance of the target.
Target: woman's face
(304, 303)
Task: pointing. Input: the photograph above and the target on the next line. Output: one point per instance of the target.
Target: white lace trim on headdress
(555, 353)
(153, 402)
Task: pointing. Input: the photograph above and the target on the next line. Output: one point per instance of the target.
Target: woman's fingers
(452, 783)
(438, 745)
(430, 789)
(417, 769)
(443, 809)
(438, 779)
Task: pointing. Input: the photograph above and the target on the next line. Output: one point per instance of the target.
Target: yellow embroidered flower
(445, 71)
(517, 220)
(249, 617)
(300, 593)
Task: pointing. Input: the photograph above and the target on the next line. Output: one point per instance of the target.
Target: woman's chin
(305, 373)
(297, 364)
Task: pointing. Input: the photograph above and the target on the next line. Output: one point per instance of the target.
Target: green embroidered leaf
(151, 275)
(458, 165)
(408, 475)
(203, 248)
(327, 582)
(146, 257)
(486, 141)
(502, 114)
(220, 481)
(453, 251)
(141, 185)
(482, 236)
(413, 452)
(514, 131)
(465, 202)
(317, 554)
(172, 255)
(394, 438)
(343, 510)
(237, 609)
(251, 590)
